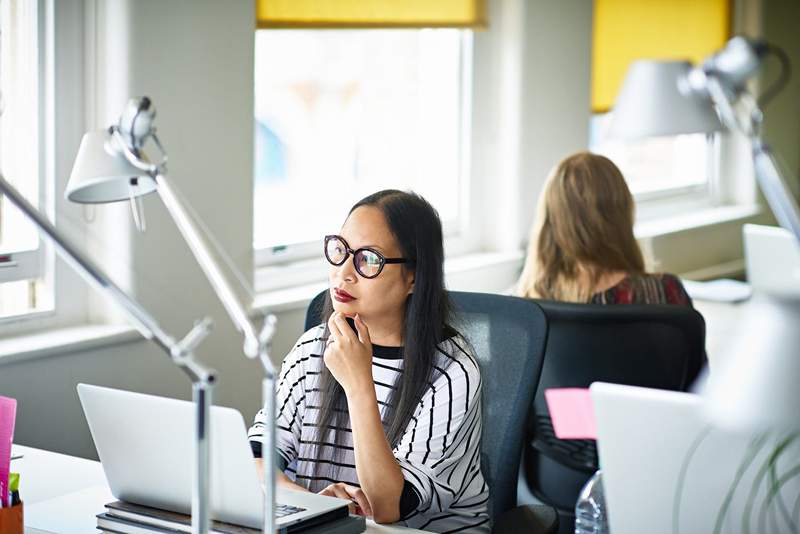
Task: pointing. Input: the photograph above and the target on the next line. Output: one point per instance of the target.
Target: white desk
(63, 494)
(724, 322)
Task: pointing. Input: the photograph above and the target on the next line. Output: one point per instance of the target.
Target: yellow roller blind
(371, 13)
(627, 30)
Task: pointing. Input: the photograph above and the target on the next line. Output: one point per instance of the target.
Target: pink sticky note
(572, 413)
(8, 414)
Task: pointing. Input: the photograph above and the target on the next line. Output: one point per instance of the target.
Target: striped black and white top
(439, 453)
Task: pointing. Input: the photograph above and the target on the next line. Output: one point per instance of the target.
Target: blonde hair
(583, 229)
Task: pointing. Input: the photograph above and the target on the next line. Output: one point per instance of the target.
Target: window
(659, 167)
(622, 32)
(25, 286)
(343, 113)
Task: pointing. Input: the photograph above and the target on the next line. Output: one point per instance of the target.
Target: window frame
(24, 265)
(66, 63)
(302, 263)
(32, 263)
(670, 201)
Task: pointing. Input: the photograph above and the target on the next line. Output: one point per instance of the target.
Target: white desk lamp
(181, 352)
(112, 166)
(758, 388)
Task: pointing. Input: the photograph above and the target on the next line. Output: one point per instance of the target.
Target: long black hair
(417, 228)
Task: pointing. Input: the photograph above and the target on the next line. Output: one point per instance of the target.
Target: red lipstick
(342, 296)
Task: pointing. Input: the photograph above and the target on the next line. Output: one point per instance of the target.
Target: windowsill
(64, 340)
(298, 297)
(695, 219)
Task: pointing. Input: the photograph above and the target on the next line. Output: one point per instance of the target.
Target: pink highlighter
(8, 415)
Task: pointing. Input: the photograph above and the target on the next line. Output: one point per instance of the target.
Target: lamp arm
(211, 268)
(193, 236)
(777, 192)
(775, 189)
(256, 345)
(181, 352)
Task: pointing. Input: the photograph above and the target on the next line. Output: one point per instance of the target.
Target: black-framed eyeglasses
(368, 262)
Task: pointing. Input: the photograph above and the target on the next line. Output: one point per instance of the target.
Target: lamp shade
(756, 387)
(101, 173)
(651, 105)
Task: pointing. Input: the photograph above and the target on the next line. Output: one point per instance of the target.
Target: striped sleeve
(439, 453)
(290, 403)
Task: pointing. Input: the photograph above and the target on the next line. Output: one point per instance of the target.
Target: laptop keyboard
(582, 453)
(282, 510)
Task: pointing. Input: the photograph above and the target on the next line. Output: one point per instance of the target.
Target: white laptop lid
(666, 470)
(145, 444)
(773, 259)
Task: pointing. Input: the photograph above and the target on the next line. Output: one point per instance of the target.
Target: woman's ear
(411, 287)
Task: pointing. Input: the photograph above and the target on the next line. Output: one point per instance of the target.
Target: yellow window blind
(627, 30)
(371, 13)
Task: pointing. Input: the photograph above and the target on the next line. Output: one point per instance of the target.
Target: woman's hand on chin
(348, 355)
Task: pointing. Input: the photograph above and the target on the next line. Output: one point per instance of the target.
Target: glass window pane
(344, 113)
(19, 122)
(654, 165)
(24, 296)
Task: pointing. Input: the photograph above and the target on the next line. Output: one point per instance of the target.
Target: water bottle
(590, 510)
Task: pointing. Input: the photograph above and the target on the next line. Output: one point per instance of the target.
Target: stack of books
(127, 518)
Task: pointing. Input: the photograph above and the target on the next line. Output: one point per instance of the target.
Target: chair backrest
(314, 311)
(507, 335)
(656, 346)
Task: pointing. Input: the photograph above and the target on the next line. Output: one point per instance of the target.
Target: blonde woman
(582, 247)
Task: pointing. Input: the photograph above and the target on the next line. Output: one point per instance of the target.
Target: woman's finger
(346, 332)
(361, 499)
(332, 491)
(333, 328)
(341, 492)
(363, 331)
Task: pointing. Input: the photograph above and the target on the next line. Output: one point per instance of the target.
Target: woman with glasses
(380, 404)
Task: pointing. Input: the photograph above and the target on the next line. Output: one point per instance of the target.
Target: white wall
(782, 116)
(532, 94)
(557, 92)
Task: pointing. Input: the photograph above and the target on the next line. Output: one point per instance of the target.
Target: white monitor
(666, 469)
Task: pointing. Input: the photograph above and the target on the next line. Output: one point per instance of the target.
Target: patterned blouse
(645, 289)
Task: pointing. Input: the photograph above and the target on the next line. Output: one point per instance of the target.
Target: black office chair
(507, 334)
(314, 311)
(656, 346)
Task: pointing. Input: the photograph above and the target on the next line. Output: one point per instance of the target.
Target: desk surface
(63, 494)
(724, 322)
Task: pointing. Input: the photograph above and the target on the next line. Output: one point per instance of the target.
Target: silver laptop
(145, 444)
(667, 470)
(773, 260)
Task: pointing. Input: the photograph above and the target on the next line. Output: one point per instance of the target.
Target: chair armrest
(531, 518)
